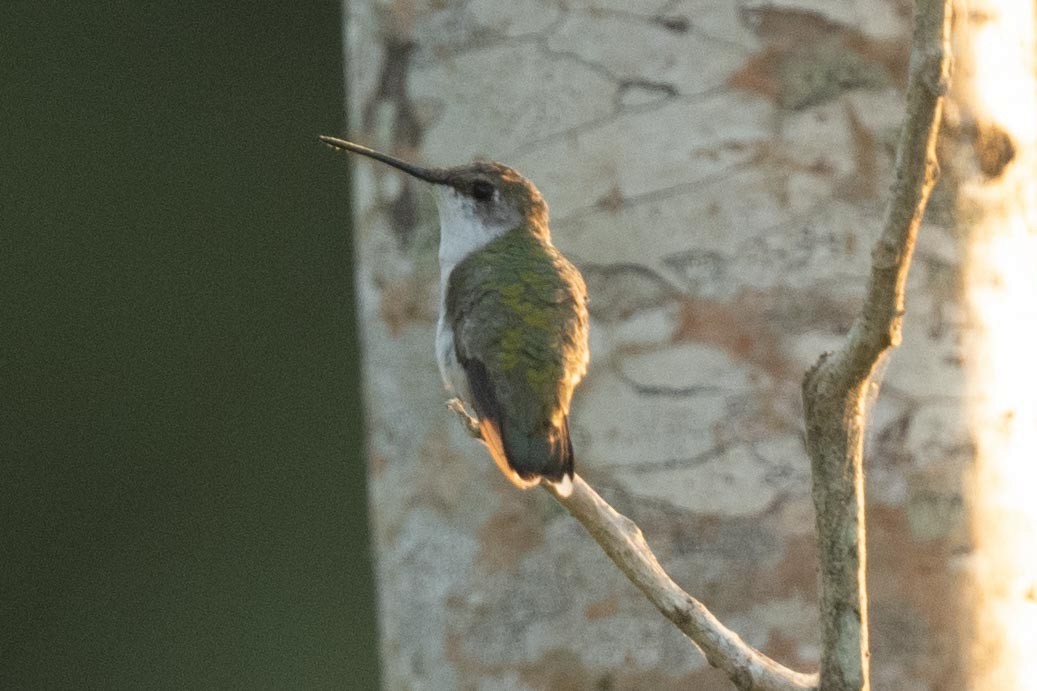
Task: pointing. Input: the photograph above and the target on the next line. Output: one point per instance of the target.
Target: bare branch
(625, 545)
(878, 325)
(834, 393)
(835, 389)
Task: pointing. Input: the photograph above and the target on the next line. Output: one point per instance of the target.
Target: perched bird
(511, 342)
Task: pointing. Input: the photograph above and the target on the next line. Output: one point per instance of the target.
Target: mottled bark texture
(718, 172)
(836, 390)
(835, 394)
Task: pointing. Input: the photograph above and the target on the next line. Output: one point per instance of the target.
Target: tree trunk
(993, 162)
(719, 174)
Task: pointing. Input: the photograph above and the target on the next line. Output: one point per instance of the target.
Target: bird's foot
(470, 424)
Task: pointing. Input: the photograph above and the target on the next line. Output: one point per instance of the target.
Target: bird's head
(477, 202)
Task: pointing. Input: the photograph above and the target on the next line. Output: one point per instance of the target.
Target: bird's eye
(482, 191)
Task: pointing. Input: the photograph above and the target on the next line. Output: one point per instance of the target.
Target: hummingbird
(511, 340)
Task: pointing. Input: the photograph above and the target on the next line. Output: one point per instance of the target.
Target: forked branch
(834, 393)
(836, 389)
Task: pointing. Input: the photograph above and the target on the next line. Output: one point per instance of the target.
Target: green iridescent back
(518, 307)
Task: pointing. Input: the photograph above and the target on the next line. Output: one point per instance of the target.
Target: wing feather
(521, 339)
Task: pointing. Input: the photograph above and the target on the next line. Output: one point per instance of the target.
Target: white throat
(461, 230)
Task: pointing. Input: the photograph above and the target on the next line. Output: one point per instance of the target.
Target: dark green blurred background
(181, 491)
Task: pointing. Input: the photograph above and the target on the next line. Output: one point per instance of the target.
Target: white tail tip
(564, 487)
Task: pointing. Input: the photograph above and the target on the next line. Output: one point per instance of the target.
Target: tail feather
(547, 454)
(524, 455)
(564, 485)
(492, 438)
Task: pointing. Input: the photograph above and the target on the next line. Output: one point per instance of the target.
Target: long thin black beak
(436, 176)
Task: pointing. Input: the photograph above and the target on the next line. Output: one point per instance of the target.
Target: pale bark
(712, 170)
(994, 163)
(835, 394)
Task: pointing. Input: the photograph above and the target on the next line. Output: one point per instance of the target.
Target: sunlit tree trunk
(719, 173)
(994, 164)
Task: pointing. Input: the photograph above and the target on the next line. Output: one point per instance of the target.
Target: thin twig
(836, 389)
(625, 545)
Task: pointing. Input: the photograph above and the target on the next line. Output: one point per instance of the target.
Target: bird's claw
(470, 424)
